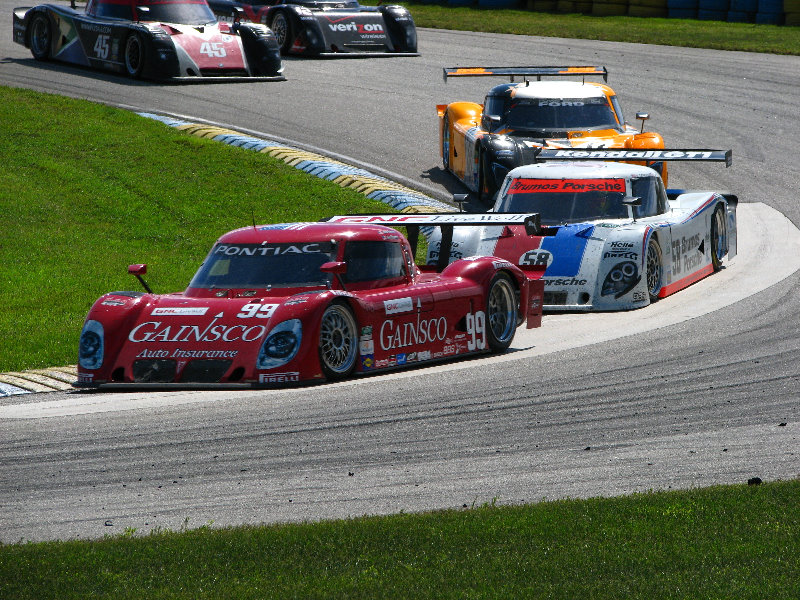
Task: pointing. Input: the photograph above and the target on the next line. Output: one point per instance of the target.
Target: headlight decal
(91, 346)
(280, 344)
(621, 279)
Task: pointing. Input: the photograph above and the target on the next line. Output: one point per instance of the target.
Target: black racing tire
(338, 341)
(134, 56)
(41, 36)
(501, 313)
(487, 187)
(654, 269)
(717, 237)
(282, 27)
(446, 139)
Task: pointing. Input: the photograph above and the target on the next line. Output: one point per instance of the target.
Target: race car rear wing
(446, 221)
(635, 155)
(524, 72)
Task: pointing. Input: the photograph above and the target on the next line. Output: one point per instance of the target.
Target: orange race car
(481, 143)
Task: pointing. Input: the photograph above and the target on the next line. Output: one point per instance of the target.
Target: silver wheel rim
(338, 339)
(653, 269)
(502, 310)
(279, 28)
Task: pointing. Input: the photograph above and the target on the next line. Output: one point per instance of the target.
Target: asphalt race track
(696, 390)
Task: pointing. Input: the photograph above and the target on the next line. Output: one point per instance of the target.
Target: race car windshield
(248, 266)
(548, 114)
(185, 12)
(562, 201)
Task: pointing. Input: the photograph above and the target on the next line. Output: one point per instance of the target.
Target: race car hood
(150, 338)
(206, 49)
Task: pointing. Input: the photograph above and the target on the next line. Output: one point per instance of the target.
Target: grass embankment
(88, 189)
(725, 542)
(717, 35)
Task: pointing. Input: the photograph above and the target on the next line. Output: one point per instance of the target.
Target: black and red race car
(328, 28)
(154, 39)
(281, 304)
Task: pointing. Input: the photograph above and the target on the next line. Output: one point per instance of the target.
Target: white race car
(613, 238)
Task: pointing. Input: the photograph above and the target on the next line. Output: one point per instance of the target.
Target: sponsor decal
(155, 331)
(526, 186)
(621, 254)
(180, 353)
(368, 362)
(408, 334)
(366, 332)
(501, 264)
(112, 303)
(564, 282)
(636, 154)
(424, 355)
(382, 363)
(194, 311)
(279, 377)
(274, 250)
(85, 377)
(366, 347)
(686, 254)
(362, 28)
(402, 359)
(399, 305)
(411, 357)
(639, 296)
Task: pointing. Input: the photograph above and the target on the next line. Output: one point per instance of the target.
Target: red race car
(279, 304)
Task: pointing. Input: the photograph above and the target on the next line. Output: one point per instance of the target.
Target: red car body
(280, 304)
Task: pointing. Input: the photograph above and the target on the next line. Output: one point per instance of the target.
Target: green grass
(88, 189)
(670, 32)
(724, 542)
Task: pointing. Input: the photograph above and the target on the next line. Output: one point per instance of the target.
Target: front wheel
(338, 341)
(717, 237)
(655, 269)
(501, 313)
(41, 36)
(134, 56)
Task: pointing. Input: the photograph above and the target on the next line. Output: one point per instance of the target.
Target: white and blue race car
(613, 238)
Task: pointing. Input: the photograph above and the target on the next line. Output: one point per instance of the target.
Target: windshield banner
(528, 186)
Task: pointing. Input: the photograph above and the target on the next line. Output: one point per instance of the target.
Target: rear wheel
(717, 237)
(282, 29)
(338, 341)
(134, 56)
(41, 36)
(501, 313)
(655, 269)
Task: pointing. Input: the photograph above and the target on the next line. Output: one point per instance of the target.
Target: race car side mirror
(632, 201)
(138, 271)
(642, 116)
(142, 11)
(337, 268)
(459, 200)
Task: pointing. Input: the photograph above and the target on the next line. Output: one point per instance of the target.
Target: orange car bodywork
(462, 125)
